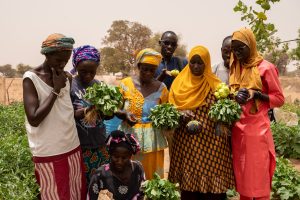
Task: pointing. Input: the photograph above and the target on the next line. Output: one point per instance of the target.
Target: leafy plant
(160, 189)
(257, 20)
(107, 99)
(164, 116)
(16, 167)
(286, 181)
(12, 119)
(286, 139)
(225, 110)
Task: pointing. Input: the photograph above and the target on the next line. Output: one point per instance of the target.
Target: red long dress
(252, 141)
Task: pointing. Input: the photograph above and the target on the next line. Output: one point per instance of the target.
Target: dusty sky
(26, 23)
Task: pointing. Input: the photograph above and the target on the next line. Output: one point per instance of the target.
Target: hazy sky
(26, 23)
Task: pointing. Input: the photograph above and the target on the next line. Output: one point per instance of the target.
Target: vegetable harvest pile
(160, 189)
(224, 110)
(106, 100)
(164, 116)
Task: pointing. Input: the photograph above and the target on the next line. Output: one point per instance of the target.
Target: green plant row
(16, 168)
(287, 140)
(286, 181)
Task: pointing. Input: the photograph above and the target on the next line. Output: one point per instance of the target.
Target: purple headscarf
(83, 53)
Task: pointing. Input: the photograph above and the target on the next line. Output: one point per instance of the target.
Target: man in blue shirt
(168, 43)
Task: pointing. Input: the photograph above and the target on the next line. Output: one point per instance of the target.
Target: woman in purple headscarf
(86, 60)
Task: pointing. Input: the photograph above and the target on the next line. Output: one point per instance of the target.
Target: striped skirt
(61, 177)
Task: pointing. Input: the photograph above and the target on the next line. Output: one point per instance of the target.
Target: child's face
(87, 70)
(120, 157)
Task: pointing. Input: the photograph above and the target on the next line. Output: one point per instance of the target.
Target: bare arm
(36, 113)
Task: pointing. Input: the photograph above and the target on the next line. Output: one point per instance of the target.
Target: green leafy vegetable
(107, 99)
(225, 110)
(16, 167)
(160, 189)
(164, 116)
(287, 140)
(286, 181)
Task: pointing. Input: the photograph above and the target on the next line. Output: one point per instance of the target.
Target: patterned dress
(152, 141)
(92, 137)
(201, 162)
(103, 179)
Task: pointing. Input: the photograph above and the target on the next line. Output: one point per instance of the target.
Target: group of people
(75, 160)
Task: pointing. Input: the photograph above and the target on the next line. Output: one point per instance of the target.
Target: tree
(295, 53)
(153, 42)
(257, 20)
(111, 60)
(8, 71)
(21, 68)
(279, 57)
(123, 39)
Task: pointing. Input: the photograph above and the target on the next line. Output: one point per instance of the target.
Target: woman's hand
(164, 73)
(127, 116)
(131, 119)
(187, 115)
(59, 80)
(242, 96)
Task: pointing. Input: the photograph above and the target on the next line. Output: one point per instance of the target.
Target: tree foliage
(280, 57)
(257, 20)
(22, 68)
(122, 40)
(264, 32)
(8, 71)
(295, 53)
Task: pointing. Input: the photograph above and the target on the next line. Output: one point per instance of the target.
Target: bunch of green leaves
(107, 99)
(164, 116)
(225, 110)
(160, 189)
(287, 140)
(16, 167)
(286, 181)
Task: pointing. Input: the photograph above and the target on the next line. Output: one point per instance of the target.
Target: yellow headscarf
(148, 56)
(189, 91)
(246, 75)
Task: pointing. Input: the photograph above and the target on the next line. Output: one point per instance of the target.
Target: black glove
(242, 96)
(260, 96)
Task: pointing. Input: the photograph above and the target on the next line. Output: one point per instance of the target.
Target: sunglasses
(167, 43)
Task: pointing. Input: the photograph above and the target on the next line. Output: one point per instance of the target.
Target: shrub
(286, 139)
(286, 181)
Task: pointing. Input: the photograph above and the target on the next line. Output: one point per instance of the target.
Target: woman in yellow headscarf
(256, 81)
(141, 93)
(200, 161)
